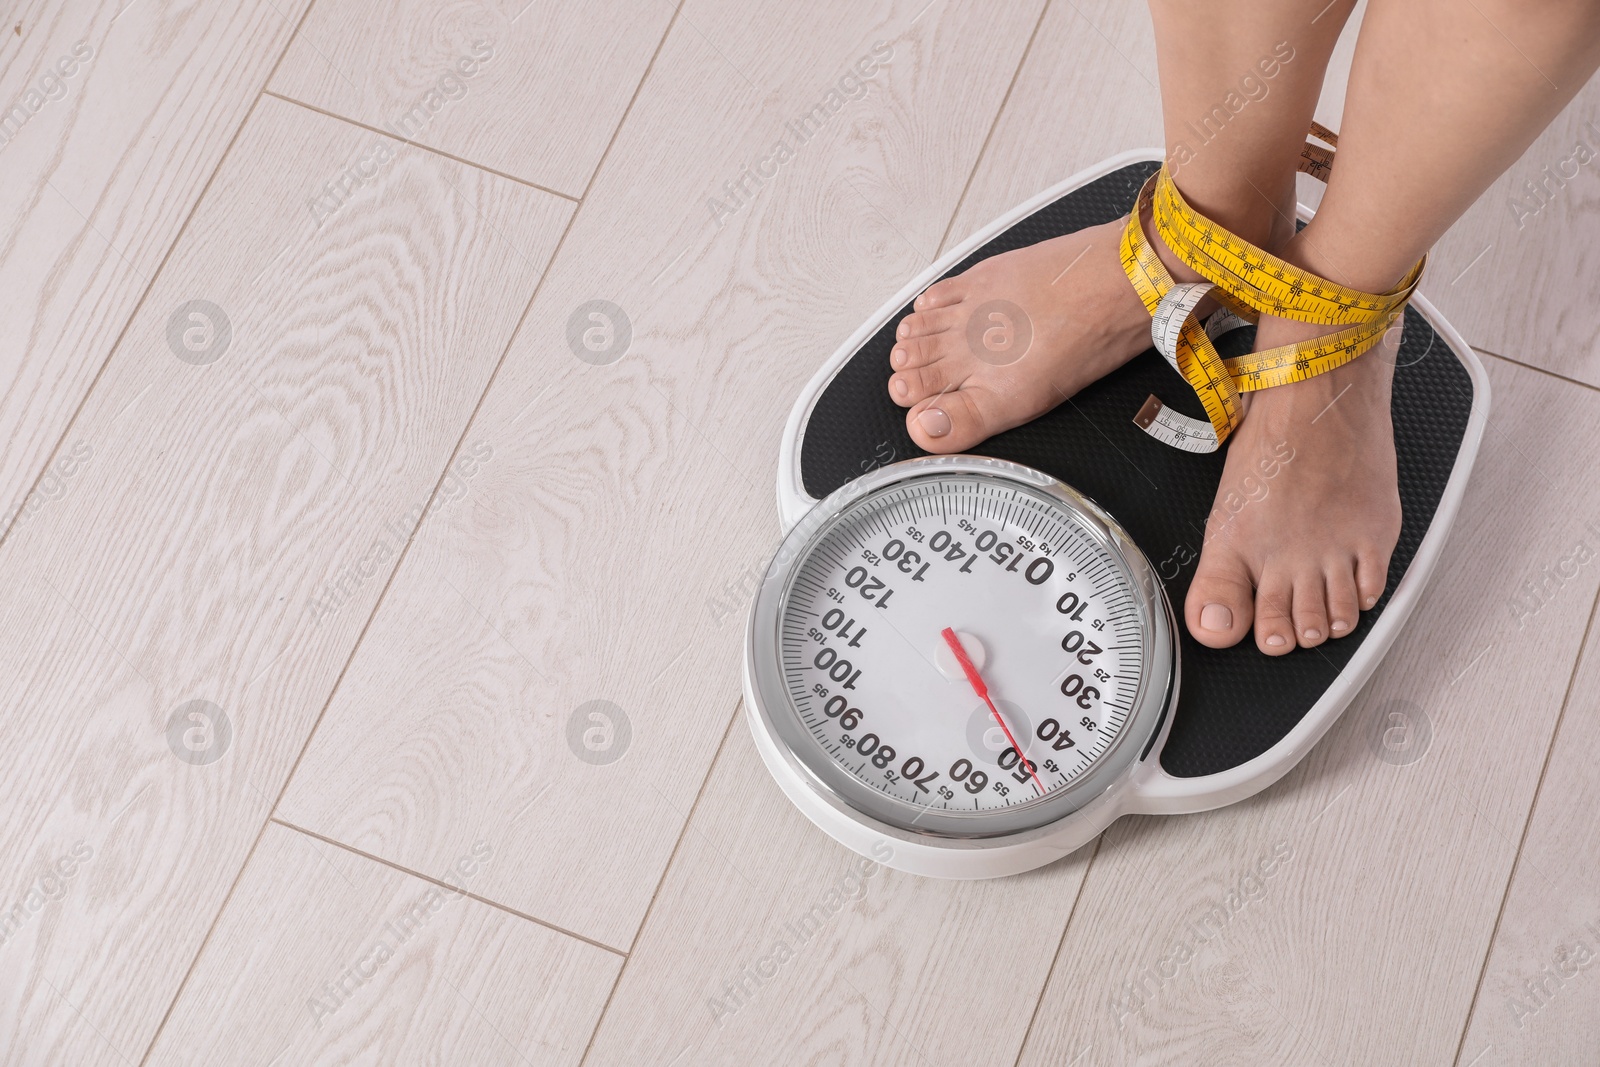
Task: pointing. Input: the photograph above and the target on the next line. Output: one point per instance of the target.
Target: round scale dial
(961, 644)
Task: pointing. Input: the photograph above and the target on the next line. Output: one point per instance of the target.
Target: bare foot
(1014, 336)
(1308, 510)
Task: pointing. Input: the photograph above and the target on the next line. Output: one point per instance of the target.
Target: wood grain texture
(221, 503)
(538, 93)
(770, 944)
(99, 169)
(1514, 271)
(1539, 998)
(608, 550)
(1091, 82)
(1518, 272)
(1087, 91)
(324, 957)
(1342, 916)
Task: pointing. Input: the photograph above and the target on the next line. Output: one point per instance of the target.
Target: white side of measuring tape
(1166, 323)
(1166, 327)
(1175, 428)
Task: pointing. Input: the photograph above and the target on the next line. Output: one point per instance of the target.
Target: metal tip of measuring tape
(1147, 414)
(1176, 429)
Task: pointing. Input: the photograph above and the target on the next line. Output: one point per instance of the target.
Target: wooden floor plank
(1342, 916)
(607, 551)
(119, 122)
(770, 944)
(530, 89)
(1091, 108)
(1518, 272)
(1539, 997)
(323, 957)
(254, 472)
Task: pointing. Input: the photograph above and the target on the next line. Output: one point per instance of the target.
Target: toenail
(1338, 626)
(1216, 617)
(900, 388)
(934, 422)
(898, 357)
(1369, 601)
(1312, 635)
(900, 330)
(1276, 640)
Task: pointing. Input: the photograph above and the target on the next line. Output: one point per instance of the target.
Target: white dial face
(1045, 613)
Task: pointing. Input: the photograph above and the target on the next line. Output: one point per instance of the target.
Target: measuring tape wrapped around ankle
(1246, 282)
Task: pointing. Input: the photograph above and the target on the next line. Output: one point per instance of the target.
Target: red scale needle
(982, 690)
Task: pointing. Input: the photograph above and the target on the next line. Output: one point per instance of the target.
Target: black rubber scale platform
(1235, 703)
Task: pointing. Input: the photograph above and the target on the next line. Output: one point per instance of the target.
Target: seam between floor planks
(1537, 369)
(178, 237)
(150, 279)
(426, 148)
(405, 549)
(1522, 841)
(399, 561)
(442, 884)
(644, 920)
(1033, 1017)
(466, 428)
(983, 149)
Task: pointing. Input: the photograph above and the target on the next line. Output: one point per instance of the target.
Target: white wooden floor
(319, 540)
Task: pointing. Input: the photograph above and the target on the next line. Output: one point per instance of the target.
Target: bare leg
(1441, 102)
(1239, 81)
(1444, 95)
(1238, 169)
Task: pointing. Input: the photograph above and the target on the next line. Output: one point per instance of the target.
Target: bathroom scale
(969, 666)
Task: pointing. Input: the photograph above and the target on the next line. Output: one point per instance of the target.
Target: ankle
(1363, 383)
(1324, 250)
(1257, 209)
(1245, 211)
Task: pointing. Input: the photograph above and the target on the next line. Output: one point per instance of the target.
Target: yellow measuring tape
(1246, 282)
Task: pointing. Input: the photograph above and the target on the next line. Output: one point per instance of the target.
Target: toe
(926, 323)
(1219, 606)
(917, 352)
(1310, 609)
(907, 387)
(1274, 618)
(940, 294)
(1339, 579)
(1372, 574)
(952, 421)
